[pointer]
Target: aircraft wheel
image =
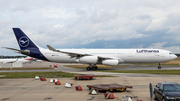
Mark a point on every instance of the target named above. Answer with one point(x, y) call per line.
point(159, 67)
point(96, 67)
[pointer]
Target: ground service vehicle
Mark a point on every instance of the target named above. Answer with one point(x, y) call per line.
point(167, 91)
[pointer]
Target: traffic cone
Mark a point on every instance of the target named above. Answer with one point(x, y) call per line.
point(130, 98)
point(51, 80)
point(37, 78)
point(93, 91)
point(79, 88)
point(105, 94)
point(43, 79)
point(76, 87)
point(58, 82)
point(109, 95)
point(55, 80)
point(68, 85)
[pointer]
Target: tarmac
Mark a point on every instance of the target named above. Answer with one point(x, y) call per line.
point(30, 89)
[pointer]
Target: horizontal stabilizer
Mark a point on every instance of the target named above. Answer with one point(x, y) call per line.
point(25, 52)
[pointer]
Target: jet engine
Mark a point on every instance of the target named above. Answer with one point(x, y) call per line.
point(89, 59)
point(110, 62)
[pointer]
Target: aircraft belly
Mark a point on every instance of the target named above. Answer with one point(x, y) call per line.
point(61, 59)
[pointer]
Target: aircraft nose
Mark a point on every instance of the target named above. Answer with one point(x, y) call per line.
point(174, 56)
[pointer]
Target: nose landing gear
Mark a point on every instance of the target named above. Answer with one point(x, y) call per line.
point(159, 67)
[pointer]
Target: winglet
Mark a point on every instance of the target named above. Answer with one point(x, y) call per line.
point(52, 49)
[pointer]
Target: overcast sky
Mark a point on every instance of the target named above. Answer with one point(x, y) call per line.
point(93, 23)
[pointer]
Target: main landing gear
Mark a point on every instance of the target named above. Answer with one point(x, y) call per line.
point(159, 67)
point(91, 67)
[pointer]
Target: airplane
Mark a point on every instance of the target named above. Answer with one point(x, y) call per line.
point(111, 57)
point(17, 60)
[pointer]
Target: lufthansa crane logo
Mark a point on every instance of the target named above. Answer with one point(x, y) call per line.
point(24, 41)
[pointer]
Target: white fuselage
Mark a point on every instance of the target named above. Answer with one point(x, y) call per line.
point(125, 55)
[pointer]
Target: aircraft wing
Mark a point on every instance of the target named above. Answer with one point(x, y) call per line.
point(77, 54)
point(66, 52)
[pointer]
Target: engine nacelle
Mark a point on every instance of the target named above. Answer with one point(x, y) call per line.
point(89, 59)
point(110, 62)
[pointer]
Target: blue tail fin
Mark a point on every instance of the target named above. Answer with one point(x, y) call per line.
point(23, 40)
point(27, 46)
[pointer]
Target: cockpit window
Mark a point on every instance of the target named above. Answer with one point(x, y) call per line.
point(170, 53)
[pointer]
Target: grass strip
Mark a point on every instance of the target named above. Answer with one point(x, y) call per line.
point(34, 68)
point(167, 72)
point(58, 74)
point(33, 74)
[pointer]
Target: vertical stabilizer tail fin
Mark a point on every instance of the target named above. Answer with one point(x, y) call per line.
point(23, 40)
